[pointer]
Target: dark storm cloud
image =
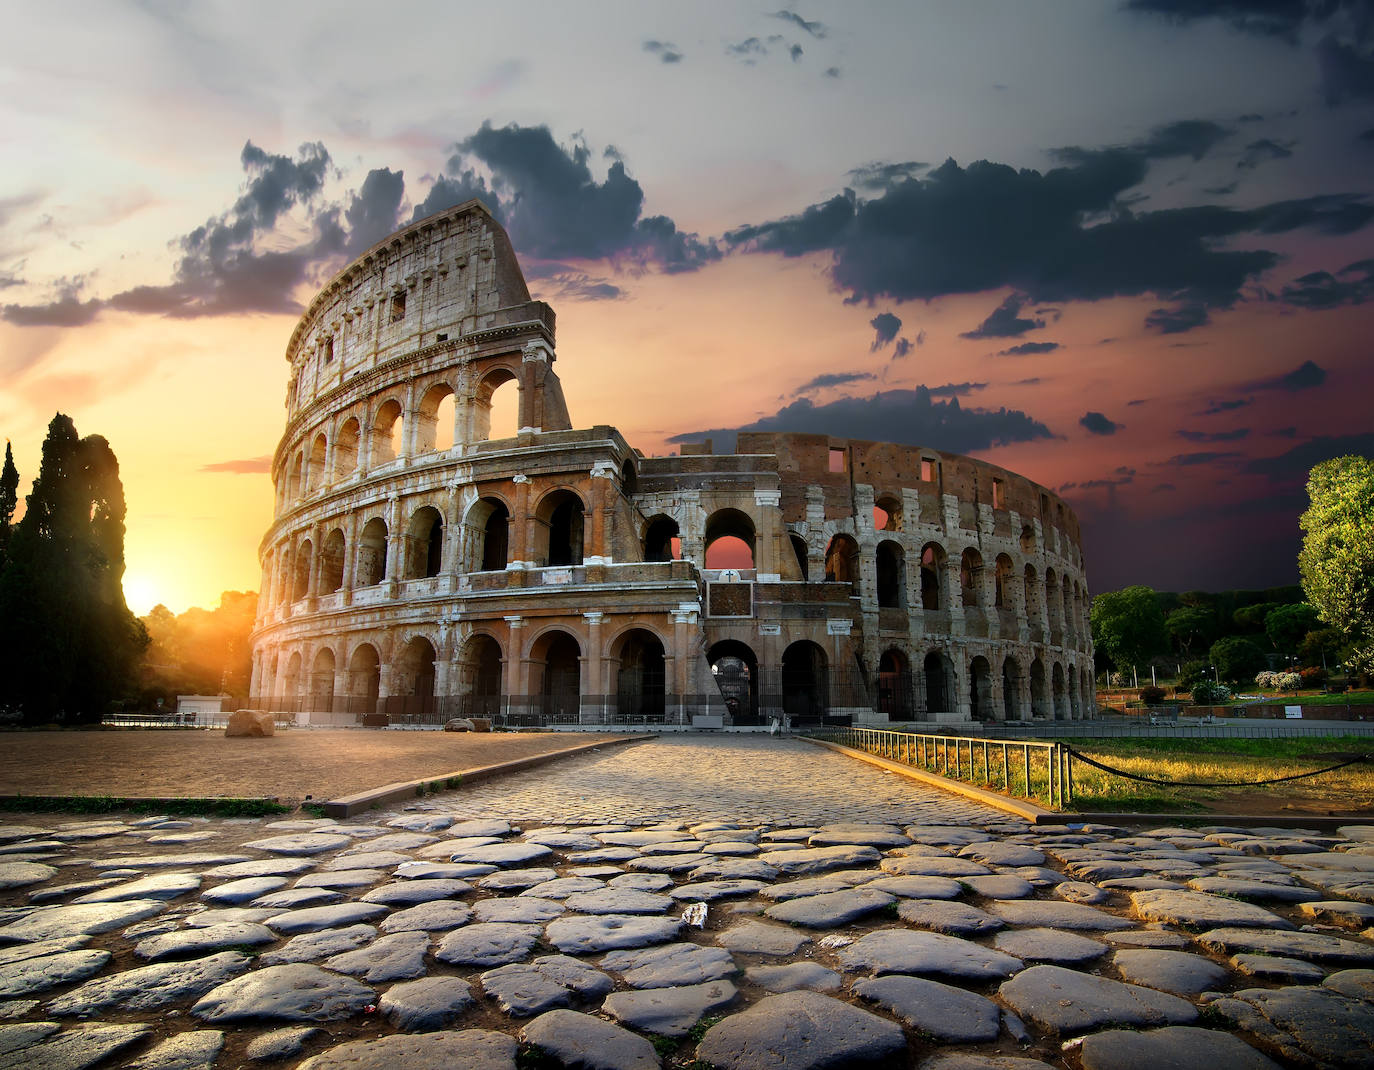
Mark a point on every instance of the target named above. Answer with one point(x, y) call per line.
point(832, 379)
point(815, 29)
point(1005, 321)
point(1187, 137)
point(1257, 152)
point(1182, 317)
point(567, 282)
point(1279, 18)
point(666, 52)
point(1192, 460)
point(903, 346)
point(1347, 67)
point(956, 390)
point(747, 50)
point(1305, 376)
point(795, 51)
point(1097, 424)
point(1352, 285)
point(449, 191)
point(1367, 137)
point(1026, 349)
point(1216, 408)
point(373, 212)
point(1294, 464)
point(244, 466)
point(1214, 436)
point(877, 177)
point(909, 417)
point(68, 310)
point(1120, 478)
point(554, 207)
point(885, 327)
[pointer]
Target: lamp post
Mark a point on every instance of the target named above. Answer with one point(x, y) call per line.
point(1216, 675)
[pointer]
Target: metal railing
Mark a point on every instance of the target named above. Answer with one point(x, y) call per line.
point(1029, 770)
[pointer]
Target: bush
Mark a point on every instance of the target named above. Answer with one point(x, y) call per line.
point(1267, 681)
point(1313, 676)
point(1152, 696)
point(1288, 681)
point(1208, 693)
point(1193, 672)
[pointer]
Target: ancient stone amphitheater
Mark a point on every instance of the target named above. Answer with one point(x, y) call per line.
point(420, 569)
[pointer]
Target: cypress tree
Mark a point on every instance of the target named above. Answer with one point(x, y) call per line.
point(9, 498)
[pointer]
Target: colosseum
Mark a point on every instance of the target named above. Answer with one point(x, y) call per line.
point(419, 569)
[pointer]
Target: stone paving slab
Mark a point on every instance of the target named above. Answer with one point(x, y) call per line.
point(826, 912)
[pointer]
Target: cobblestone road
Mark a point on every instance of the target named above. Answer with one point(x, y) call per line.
point(742, 903)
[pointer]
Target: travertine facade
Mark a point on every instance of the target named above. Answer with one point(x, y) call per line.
point(558, 575)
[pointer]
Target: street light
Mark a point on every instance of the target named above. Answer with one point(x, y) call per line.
point(1215, 674)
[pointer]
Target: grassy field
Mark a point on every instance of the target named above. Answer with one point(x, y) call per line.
point(1233, 761)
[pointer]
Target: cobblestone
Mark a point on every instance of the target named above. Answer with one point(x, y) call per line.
point(603, 856)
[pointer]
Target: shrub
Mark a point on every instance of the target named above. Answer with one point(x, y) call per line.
point(1288, 681)
point(1267, 680)
point(1152, 696)
point(1313, 676)
point(1208, 693)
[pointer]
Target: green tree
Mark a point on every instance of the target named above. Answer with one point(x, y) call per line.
point(1337, 557)
point(1128, 625)
point(1190, 627)
point(1237, 658)
point(1287, 625)
point(68, 643)
point(9, 498)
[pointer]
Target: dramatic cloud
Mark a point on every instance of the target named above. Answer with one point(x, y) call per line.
point(1194, 138)
point(1005, 321)
point(566, 282)
point(1026, 349)
point(1216, 408)
point(1279, 18)
point(1214, 436)
point(1294, 464)
point(885, 326)
point(1097, 424)
point(1119, 478)
point(246, 466)
point(815, 29)
point(956, 390)
point(1180, 318)
point(1257, 152)
point(1192, 460)
point(903, 346)
point(373, 212)
point(910, 417)
point(879, 177)
point(1352, 285)
point(831, 379)
point(68, 310)
point(1304, 377)
point(665, 52)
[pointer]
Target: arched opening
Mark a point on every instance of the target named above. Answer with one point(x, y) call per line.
point(937, 683)
point(372, 553)
point(424, 544)
point(932, 575)
point(364, 679)
point(322, 682)
point(641, 678)
point(887, 513)
point(387, 433)
point(332, 562)
point(318, 470)
point(629, 478)
point(434, 420)
point(729, 540)
point(486, 536)
point(558, 663)
point(1040, 698)
point(735, 668)
point(413, 677)
point(286, 579)
point(293, 480)
point(1053, 603)
point(496, 407)
point(662, 540)
point(1061, 693)
point(980, 689)
point(291, 682)
point(842, 562)
point(1027, 539)
point(1075, 710)
point(971, 578)
point(895, 692)
point(481, 666)
point(1003, 595)
point(300, 582)
point(1011, 690)
point(1070, 619)
point(805, 689)
point(799, 550)
point(346, 449)
point(891, 576)
point(559, 528)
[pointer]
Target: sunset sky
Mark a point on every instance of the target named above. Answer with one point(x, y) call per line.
point(1124, 248)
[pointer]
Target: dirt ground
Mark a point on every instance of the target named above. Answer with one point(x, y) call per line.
point(290, 766)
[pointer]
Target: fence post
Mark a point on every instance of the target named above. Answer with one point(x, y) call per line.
point(1025, 759)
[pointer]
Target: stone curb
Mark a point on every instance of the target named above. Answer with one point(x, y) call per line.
point(348, 805)
point(1020, 807)
point(1286, 821)
point(13, 802)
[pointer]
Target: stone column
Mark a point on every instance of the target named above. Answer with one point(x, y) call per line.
point(767, 559)
point(684, 617)
point(395, 542)
point(593, 705)
point(596, 542)
point(516, 666)
point(520, 541)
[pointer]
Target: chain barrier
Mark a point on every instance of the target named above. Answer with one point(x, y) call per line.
point(1214, 784)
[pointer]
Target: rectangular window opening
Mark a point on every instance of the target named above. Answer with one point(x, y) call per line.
point(836, 459)
point(329, 350)
point(998, 495)
point(398, 306)
point(927, 470)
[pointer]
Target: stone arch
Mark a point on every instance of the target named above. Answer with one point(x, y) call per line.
point(434, 420)
point(842, 562)
point(1053, 602)
point(332, 555)
point(560, 520)
point(1039, 688)
point(295, 474)
point(424, 543)
point(364, 678)
point(735, 669)
point(980, 689)
point(662, 539)
point(805, 682)
point(1011, 689)
point(938, 683)
point(414, 674)
point(484, 400)
point(895, 685)
point(372, 551)
point(887, 512)
point(388, 430)
point(1070, 618)
point(556, 671)
point(641, 675)
point(729, 541)
point(480, 666)
point(291, 679)
point(932, 576)
point(322, 681)
point(1027, 539)
point(486, 535)
point(971, 578)
point(285, 577)
point(891, 575)
point(346, 444)
point(1031, 593)
point(1075, 709)
point(1061, 693)
point(300, 578)
point(1003, 577)
point(318, 468)
point(629, 478)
